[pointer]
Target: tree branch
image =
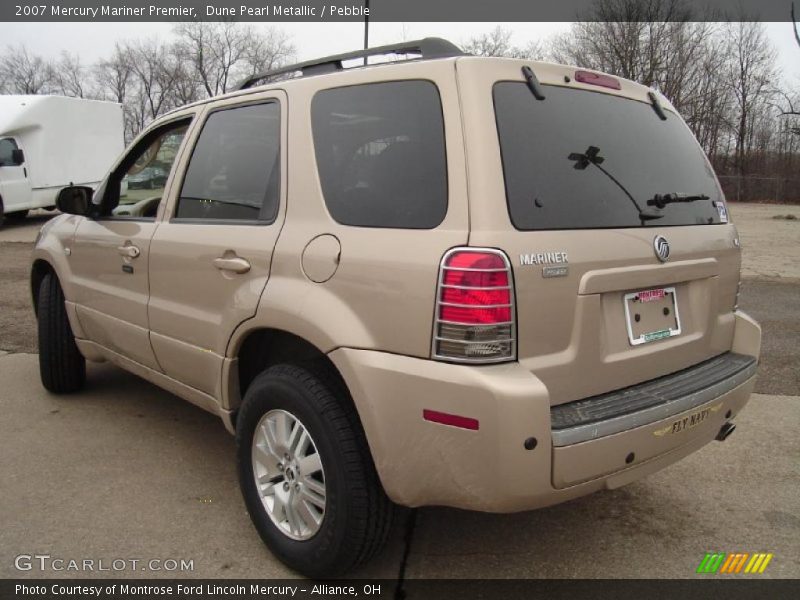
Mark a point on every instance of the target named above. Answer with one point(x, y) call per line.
point(794, 25)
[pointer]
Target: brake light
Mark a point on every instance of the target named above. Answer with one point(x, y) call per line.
point(474, 320)
point(605, 81)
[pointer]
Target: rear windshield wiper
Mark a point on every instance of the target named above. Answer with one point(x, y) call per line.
point(533, 82)
point(661, 200)
point(592, 157)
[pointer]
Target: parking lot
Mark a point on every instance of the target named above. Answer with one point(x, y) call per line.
point(124, 470)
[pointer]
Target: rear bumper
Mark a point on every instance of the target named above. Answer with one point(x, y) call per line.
point(651, 401)
point(490, 469)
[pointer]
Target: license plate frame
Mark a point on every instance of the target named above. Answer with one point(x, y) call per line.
point(661, 297)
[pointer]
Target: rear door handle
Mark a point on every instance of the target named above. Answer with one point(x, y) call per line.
point(129, 251)
point(234, 264)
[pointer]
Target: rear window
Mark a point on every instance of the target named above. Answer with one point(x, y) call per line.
point(542, 143)
point(381, 154)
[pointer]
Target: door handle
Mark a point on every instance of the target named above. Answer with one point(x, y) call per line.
point(129, 251)
point(234, 264)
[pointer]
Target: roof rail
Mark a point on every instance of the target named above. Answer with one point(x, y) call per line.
point(428, 48)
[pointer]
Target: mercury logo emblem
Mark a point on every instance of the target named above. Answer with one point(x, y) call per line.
point(661, 247)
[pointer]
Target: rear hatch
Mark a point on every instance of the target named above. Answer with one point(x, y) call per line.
point(625, 265)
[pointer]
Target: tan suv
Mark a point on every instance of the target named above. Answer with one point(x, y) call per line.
point(484, 283)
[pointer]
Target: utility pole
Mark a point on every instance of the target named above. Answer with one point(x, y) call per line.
point(366, 28)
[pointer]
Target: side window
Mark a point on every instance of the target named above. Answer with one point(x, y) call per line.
point(234, 172)
point(381, 154)
point(7, 146)
point(136, 188)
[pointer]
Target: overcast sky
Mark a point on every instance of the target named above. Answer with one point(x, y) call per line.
point(95, 40)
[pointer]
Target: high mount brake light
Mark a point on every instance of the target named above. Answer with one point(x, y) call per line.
point(605, 81)
point(475, 317)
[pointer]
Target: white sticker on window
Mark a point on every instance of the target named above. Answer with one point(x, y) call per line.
point(723, 212)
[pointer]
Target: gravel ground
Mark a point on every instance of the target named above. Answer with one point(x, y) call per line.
point(770, 245)
point(17, 322)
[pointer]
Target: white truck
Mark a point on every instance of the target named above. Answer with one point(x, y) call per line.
point(50, 142)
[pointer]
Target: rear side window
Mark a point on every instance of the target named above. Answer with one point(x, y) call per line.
point(234, 172)
point(542, 143)
point(381, 154)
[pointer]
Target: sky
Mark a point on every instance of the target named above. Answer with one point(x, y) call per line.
point(96, 40)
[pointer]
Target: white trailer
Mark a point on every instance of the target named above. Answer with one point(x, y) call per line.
point(50, 142)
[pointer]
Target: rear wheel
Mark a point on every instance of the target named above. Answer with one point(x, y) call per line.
point(62, 367)
point(306, 473)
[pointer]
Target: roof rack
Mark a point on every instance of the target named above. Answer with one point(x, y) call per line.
point(428, 48)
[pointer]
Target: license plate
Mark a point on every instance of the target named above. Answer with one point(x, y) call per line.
point(652, 315)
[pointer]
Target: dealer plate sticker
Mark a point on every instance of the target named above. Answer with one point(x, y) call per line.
point(721, 210)
point(651, 315)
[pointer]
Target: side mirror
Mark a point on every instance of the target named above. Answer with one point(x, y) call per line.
point(17, 156)
point(74, 200)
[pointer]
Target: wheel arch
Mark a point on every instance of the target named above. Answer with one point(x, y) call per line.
point(262, 347)
point(39, 270)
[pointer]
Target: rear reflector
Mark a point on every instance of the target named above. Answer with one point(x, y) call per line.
point(474, 319)
point(605, 81)
point(447, 419)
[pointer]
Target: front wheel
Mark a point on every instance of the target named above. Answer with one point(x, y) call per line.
point(62, 367)
point(306, 473)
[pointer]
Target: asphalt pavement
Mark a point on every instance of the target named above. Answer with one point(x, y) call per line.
point(126, 471)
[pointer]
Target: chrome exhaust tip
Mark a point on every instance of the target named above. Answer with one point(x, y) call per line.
point(725, 431)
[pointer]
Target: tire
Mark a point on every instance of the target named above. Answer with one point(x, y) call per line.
point(17, 215)
point(356, 516)
point(62, 367)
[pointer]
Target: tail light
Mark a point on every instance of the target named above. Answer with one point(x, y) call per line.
point(475, 316)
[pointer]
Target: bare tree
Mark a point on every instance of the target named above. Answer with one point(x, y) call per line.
point(635, 39)
point(750, 75)
point(267, 50)
point(221, 54)
point(650, 41)
point(22, 72)
point(113, 75)
point(149, 93)
point(149, 77)
point(186, 88)
point(792, 108)
point(69, 76)
point(497, 42)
